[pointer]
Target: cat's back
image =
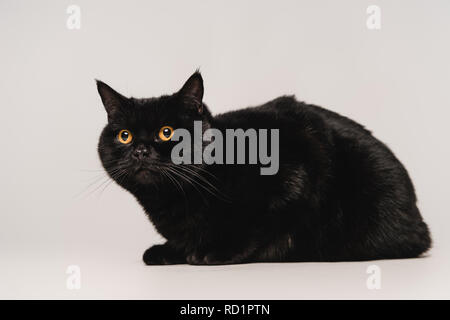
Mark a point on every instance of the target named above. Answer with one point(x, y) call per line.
point(287, 109)
point(266, 115)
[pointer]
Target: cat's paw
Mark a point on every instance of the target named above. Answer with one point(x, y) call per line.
point(161, 254)
point(195, 259)
point(207, 259)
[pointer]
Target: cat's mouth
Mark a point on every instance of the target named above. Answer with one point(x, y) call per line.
point(144, 174)
point(141, 167)
point(142, 170)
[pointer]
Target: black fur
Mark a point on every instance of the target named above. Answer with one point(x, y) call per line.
point(339, 195)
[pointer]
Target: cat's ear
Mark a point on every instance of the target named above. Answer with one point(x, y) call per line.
point(112, 100)
point(193, 88)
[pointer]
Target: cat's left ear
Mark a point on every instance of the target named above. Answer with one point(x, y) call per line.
point(113, 101)
point(193, 89)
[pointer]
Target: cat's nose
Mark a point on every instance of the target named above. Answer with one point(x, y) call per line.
point(141, 152)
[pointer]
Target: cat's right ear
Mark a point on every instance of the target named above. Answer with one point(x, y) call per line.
point(112, 100)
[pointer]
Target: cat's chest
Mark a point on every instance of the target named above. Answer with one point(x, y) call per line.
point(175, 218)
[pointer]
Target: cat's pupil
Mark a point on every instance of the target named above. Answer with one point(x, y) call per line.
point(124, 136)
point(166, 132)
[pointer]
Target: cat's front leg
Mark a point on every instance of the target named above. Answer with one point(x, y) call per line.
point(162, 254)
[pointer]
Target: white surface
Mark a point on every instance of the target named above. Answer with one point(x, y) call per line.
point(394, 80)
point(40, 274)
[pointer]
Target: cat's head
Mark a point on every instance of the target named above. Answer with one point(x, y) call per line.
point(136, 142)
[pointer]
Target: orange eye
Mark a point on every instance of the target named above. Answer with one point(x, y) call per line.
point(165, 133)
point(125, 136)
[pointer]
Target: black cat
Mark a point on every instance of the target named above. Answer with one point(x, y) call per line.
point(339, 194)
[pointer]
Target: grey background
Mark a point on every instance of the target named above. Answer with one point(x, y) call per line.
point(394, 80)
